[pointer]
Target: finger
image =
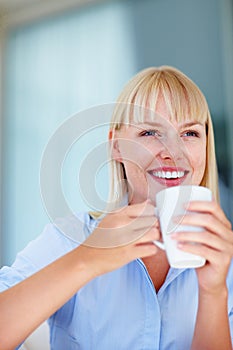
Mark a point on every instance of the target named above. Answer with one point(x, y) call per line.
point(209, 207)
point(144, 223)
point(209, 222)
point(127, 232)
point(143, 230)
point(136, 224)
point(209, 239)
point(151, 235)
point(144, 250)
point(211, 255)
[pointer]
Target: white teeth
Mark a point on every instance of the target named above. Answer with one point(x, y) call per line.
point(168, 174)
point(174, 174)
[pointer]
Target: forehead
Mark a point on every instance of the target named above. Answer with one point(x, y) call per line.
point(174, 107)
point(161, 116)
point(162, 109)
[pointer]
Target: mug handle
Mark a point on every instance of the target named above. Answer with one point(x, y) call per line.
point(159, 244)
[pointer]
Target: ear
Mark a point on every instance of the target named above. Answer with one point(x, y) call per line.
point(115, 151)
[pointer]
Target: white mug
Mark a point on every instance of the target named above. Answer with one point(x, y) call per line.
point(170, 203)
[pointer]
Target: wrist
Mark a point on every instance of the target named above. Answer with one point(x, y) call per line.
point(218, 293)
point(88, 262)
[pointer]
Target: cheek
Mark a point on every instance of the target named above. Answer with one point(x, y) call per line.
point(136, 167)
point(198, 161)
point(136, 155)
point(135, 170)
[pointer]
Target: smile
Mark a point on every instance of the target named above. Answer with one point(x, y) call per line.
point(168, 176)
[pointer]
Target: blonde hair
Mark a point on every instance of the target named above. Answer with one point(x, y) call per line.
point(183, 100)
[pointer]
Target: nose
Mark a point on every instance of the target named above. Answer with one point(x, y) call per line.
point(172, 149)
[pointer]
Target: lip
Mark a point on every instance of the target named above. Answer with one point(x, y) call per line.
point(169, 182)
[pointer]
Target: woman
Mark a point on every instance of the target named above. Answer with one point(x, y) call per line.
point(126, 296)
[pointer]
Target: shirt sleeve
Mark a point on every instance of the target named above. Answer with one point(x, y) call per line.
point(230, 298)
point(55, 240)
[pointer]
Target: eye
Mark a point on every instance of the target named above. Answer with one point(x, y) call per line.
point(191, 133)
point(149, 133)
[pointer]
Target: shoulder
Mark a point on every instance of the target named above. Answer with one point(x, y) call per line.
point(58, 238)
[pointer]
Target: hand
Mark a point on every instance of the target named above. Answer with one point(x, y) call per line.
point(122, 236)
point(215, 243)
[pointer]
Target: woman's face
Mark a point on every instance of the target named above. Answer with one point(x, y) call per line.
point(160, 154)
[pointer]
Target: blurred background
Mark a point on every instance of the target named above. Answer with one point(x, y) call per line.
point(58, 58)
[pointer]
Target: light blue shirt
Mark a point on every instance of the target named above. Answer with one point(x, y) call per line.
point(119, 310)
